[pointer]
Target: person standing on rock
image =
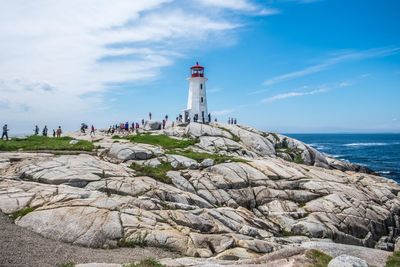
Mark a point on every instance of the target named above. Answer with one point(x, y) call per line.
point(166, 117)
point(44, 132)
point(235, 121)
point(209, 117)
point(163, 124)
point(54, 133)
point(36, 130)
point(5, 132)
point(150, 115)
point(59, 131)
point(92, 131)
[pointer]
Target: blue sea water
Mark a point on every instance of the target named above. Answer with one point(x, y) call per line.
point(379, 152)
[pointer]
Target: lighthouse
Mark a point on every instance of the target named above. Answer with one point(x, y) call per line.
point(197, 99)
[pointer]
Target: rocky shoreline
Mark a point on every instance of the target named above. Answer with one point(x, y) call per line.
point(259, 194)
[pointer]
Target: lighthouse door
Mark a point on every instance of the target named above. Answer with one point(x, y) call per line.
point(186, 117)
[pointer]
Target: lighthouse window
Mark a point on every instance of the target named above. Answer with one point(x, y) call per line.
point(201, 100)
point(201, 86)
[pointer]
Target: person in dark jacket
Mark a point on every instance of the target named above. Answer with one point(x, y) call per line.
point(5, 132)
point(45, 130)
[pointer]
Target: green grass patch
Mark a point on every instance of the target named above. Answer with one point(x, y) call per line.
point(318, 258)
point(275, 136)
point(394, 260)
point(137, 242)
point(199, 156)
point(298, 159)
point(66, 264)
point(160, 140)
point(44, 143)
point(145, 263)
point(159, 173)
point(21, 213)
point(288, 233)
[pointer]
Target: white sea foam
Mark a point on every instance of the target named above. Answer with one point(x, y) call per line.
point(318, 146)
point(372, 144)
point(367, 144)
point(336, 156)
point(384, 172)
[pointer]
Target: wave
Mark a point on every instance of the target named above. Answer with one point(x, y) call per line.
point(336, 156)
point(370, 144)
point(318, 146)
point(384, 172)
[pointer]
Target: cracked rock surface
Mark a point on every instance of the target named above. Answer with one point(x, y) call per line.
point(262, 203)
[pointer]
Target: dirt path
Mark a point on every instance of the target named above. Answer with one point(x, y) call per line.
point(21, 247)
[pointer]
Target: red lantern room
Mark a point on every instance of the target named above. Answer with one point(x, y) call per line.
point(197, 70)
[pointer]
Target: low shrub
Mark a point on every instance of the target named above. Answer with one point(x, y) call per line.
point(159, 173)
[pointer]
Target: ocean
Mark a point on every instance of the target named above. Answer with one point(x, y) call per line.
point(379, 152)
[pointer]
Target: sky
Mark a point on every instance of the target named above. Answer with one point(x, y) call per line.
point(291, 66)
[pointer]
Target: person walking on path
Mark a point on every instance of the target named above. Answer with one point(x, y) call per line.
point(59, 131)
point(36, 130)
point(92, 130)
point(45, 130)
point(5, 132)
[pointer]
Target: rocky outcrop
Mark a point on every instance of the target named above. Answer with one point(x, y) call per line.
point(128, 151)
point(347, 261)
point(253, 204)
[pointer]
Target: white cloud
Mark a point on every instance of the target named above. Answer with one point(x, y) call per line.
point(294, 94)
point(321, 89)
point(337, 59)
point(57, 58)
point(239, 5)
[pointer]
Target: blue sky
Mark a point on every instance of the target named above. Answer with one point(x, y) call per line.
point(283, 65)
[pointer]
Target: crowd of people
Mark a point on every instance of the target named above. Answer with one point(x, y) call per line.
point(232, 121)
point(118, 128)
point(56, 132)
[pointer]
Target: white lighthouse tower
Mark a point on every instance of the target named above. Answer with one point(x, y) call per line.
point(197, 99)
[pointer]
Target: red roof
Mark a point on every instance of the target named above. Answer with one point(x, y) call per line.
point(197, 66)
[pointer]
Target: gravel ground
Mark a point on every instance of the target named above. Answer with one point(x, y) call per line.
point(21, 247)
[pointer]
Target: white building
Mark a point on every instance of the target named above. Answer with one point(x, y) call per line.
point(197, 100)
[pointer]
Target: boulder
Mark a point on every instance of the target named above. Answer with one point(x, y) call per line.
point(207, 163)
point(347, 261)
point(74, 170)
point(152, 125)
point(198, 129)
point(178, 161)
point(129, 151)
point(85, 226)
